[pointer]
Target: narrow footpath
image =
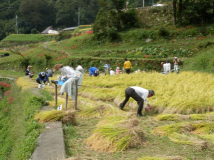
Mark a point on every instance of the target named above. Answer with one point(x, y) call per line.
point(51, 144)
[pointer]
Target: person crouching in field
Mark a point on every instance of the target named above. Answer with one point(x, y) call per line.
point(28, 72)
point(139, 95)
point(42, 78)
point(117, 70)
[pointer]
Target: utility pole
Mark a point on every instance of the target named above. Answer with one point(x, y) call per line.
point(17, 24)
point(79, 16)
point(143, 3)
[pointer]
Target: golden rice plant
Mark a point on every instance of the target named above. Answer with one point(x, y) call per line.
point(55, 115)
point(203, 128)
point(188, 133)
point(175, 117)
point(171, 117)
point(188, 139)
point(26, 83)
point(183, 93)
point(116, 136)
point(184, 127)
point(163, 158)
point(97, 109)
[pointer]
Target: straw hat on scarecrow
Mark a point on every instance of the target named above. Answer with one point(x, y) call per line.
point(57, 66)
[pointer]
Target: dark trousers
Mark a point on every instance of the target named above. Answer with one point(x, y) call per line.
point(130, 92)
point(127, 71)
point(38, 80)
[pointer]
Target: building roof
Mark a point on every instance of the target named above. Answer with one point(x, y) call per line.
point(46, 30)
point(69, 29)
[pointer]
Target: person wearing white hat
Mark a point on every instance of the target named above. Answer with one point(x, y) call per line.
point(176, 61)
point(42, 78)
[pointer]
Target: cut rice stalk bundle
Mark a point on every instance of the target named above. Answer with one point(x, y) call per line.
point(98, 110)
point(163, 158)
point(52, 116)
point(171, 117)
point(209, 137)
point(175, 117)
point(119, 119)
point(116, 137)
point(173, 128)
point(189, 140)
point(203, 128)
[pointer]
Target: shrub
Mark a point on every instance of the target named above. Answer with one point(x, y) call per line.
point(63, 35)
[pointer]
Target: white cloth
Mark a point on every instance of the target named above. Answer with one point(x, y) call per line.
point(141, 92)
point(70, 85)
point(167, 68)
point(68, 72)
point(80, 69)
point(112, 72)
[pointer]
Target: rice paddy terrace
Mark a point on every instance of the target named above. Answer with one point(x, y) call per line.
point(179, 127)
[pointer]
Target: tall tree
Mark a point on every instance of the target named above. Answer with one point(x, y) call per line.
point(37, 12)
point(174, 11)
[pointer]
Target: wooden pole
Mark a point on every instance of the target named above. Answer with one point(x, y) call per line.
point(66, 101)
point(56, 95)
point(75, 107)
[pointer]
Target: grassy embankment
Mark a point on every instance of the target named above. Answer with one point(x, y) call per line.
point(19, 131)
point(183, 42)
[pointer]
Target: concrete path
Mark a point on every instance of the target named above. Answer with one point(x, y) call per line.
point(51, 144)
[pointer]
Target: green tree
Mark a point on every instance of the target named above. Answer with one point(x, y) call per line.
point(38, 12)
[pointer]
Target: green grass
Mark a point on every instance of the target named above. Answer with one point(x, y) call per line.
point(11, 74)
point(19, 131)
point(28, 37)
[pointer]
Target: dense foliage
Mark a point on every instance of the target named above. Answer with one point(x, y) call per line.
point(19, 131)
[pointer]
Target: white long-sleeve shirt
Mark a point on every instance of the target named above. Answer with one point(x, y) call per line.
point(68, 72)
point(141, 92)
point(167, 67)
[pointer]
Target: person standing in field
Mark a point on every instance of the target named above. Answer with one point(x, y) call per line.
point(127, 66)
point(176, 61)
point(167, 67)
point(107, 67)
point(139, 95)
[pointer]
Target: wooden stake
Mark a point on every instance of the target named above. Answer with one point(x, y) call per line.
point(75, 107)
point(66, 101)
point(56, 95)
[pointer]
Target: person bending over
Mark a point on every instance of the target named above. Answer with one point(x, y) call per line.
point(42, 78)
point(139, 95)
point(94, 71)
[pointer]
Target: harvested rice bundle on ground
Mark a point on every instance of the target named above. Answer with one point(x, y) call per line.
point(188, 139)
point(175, 117)
point(203, 128)
point(52, 116)
point(119, 119)
point(163, 158)
point(97, 110)
point(116, 137)
point(171, 117)
point(209, 137)
point(173, 128)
